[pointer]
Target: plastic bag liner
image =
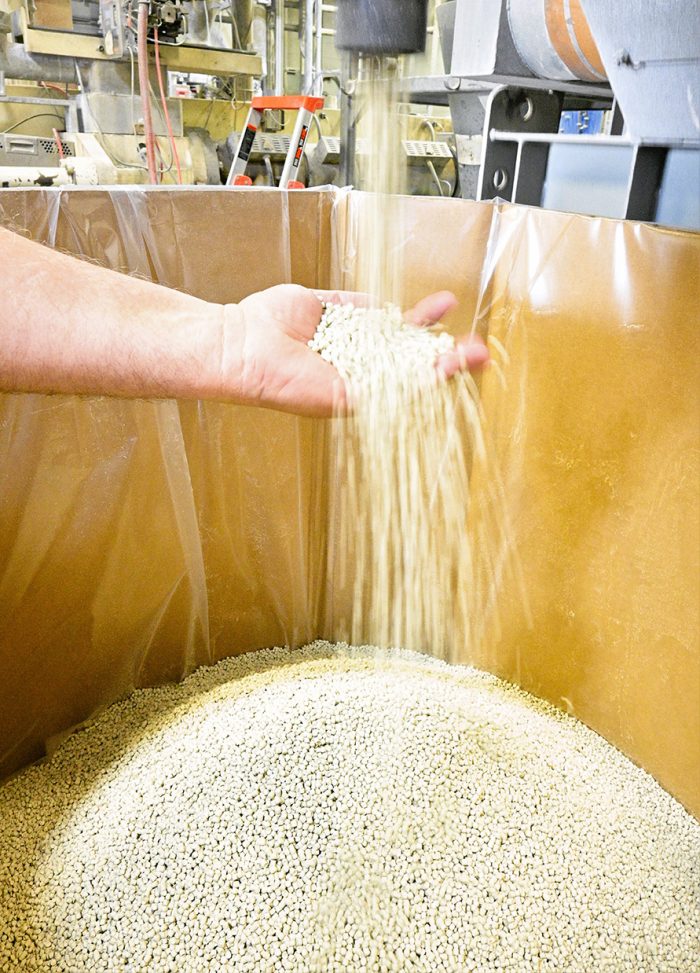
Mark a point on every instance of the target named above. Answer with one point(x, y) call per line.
point(142, 539)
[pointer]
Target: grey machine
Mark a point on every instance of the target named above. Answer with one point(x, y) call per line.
point(514, 68)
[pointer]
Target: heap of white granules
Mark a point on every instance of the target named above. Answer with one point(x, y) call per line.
point(350, 810)
point(353, 338)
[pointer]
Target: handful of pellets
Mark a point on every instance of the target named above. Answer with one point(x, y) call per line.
point(362, 341)
point(343, 810)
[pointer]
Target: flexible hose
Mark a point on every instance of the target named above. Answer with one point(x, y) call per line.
point(166, 113)
point(142, 59)
point(59, 144)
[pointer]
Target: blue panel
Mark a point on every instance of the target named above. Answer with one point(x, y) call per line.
point(587, 179)
point(582, 122)
point(679, 198)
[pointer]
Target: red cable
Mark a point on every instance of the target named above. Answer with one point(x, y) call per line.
point(166, 113)
point(161, 161)
point(142, 58)
point(56, 87)
point(59, 146)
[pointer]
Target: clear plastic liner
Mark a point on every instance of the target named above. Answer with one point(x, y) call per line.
point(133, 546)
point(142, 539)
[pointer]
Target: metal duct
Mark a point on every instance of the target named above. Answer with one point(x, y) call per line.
point(109, 77)
point(17, 64)
point(242, 11)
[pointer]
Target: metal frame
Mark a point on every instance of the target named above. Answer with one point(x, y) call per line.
point(516, 152)
point(646, 176)
point(514, 168)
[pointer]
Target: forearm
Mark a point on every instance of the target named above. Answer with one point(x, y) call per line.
point(69, 326)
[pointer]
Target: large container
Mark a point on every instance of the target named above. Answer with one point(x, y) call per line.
point(141, 539)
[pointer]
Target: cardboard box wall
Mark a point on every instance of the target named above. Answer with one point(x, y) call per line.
point(139, 540)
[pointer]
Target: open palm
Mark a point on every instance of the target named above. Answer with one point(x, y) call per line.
point(280, 371)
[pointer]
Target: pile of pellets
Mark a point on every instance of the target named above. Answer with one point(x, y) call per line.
point(343, 809)
point(362, 342)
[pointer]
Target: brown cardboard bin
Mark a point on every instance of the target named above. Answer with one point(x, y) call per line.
point(142, 539)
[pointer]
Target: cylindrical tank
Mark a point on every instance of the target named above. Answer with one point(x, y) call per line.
point(554, 40)
point(381, 26)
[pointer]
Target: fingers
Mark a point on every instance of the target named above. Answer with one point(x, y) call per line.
point(469, 353)
point(432, 308)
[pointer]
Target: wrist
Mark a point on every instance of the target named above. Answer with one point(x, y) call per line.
point(223, 375)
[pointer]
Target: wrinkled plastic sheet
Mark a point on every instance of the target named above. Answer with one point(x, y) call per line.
point(142, 539)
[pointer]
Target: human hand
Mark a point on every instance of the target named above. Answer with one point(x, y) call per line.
point(279, 371)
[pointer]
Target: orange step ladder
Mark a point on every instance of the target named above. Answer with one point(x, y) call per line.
point(305, 106)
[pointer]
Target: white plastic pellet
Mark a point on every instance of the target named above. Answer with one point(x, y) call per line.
point(340, 809)
point(356, 340)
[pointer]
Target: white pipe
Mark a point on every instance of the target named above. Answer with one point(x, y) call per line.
point(14, 176)
point(318, 60)
point(280, 55)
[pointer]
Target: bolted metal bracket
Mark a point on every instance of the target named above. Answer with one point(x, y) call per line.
point(516, 171)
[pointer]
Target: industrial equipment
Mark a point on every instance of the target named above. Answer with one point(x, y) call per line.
point(112, 59)
point(159, 91)
point(514, 68)
point(381, 26)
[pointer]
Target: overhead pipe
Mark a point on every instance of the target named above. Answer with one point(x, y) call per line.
point(271, 58)
point(16, 63)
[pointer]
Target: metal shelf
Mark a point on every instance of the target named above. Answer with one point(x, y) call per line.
point(436, 89)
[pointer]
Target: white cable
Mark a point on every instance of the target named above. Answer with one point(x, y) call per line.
point(206, 18)
point(132, 87)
